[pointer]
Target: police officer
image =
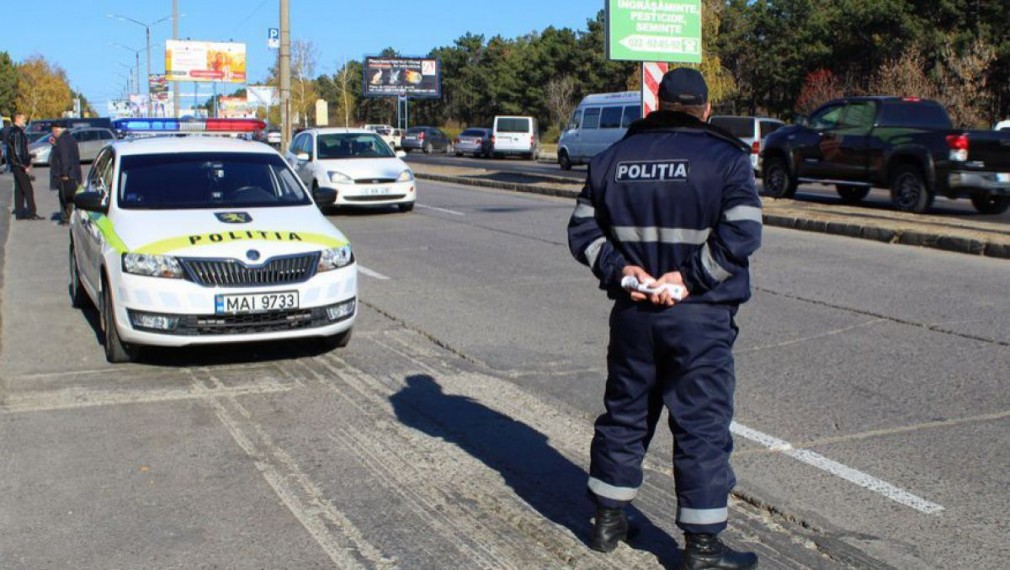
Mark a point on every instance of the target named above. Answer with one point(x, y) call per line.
point(672, 203)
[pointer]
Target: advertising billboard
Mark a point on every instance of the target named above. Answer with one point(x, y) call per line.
point(415, 77)
point(205, 61)
point(158, 86)
point(658, 30)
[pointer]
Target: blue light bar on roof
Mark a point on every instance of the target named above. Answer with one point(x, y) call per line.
point(156, 125)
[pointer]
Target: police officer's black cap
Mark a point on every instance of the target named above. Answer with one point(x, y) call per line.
point(685, 86)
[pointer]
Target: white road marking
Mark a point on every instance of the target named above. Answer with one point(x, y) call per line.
point(833, 467)
point(453, 212)
point(373, 274)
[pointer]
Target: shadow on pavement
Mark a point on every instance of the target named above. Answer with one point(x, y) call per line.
point(541, 476)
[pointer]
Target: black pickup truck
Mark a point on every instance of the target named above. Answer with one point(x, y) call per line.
point(906, 144)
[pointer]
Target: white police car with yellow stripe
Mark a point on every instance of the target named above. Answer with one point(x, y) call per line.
point(197, 240)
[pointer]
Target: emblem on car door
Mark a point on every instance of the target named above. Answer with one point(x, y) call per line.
point(234, 217)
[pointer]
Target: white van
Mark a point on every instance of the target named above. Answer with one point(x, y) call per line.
point(599, 121)
point(515, 135)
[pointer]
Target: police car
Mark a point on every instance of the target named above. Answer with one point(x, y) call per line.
point(203, 240)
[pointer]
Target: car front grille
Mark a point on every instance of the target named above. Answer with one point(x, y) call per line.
point(379, 198)
point(234, 273)
point(374, 180)
point(279, 321)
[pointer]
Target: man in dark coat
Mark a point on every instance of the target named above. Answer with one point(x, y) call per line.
point(64, 168)
point(21, 165)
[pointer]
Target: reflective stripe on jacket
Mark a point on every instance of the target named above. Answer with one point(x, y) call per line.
point(675, 194)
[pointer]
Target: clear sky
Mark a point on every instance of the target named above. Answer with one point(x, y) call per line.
point(80, 37)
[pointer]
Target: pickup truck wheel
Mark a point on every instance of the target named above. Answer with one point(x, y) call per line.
point(909, 192)
point(852, 194)
point(779, 183)
point(989, 204)
point(564, 161)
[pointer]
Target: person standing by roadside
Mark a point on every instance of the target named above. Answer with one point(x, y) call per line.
point(672, 203)
point(21, 165)
point(65, 168)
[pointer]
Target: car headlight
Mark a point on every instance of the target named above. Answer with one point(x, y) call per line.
point(152, 265)
point(405, 176)
point(335, 258)
point(339, 178)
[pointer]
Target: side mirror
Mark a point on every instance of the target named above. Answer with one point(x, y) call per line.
point(324, 196)
point(91, 202)
point(303, 157)
point(400, 154)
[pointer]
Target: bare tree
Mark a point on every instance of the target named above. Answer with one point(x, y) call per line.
point(344, 87)
point(905, 76)
point(560, 95)
point(963, 83)
point(303, 68)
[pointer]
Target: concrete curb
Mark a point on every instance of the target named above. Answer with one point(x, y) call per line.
point(840, 226)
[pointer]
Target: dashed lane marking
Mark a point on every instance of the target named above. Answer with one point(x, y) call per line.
point(444, 210)
point(835, 468)
point(373, 274)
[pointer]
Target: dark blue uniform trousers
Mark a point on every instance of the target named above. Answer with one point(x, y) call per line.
point(682, 357)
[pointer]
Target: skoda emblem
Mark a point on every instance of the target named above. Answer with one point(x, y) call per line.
point(252, 254)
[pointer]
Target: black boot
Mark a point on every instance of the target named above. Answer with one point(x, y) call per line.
point(707, 552)
point(611, 526)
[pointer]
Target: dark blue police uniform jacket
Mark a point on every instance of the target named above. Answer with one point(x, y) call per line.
point(675, 194)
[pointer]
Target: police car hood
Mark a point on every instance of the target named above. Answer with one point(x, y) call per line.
point(227, 232)
point(366, 168)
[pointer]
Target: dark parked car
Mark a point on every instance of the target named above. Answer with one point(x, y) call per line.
point(473, 141)
point(426, 139)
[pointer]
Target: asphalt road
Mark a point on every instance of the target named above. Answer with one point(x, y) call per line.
point(820, 193)
point(454, 430)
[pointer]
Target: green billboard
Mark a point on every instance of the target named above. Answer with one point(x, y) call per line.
point(654, 30)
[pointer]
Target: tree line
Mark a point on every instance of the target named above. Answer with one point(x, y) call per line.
point(37, 88)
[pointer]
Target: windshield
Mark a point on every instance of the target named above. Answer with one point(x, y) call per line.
point(742, 127)
point(513, 125)
point(352, 145)
point(472, 133)
point(207, 180)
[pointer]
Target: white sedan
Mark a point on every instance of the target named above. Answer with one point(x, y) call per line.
point(199, 240)
point(357, 164)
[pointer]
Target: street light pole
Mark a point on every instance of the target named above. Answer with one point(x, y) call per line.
point(285, 75)
point(147, 29)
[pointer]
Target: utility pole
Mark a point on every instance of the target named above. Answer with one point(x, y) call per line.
point(175, 36)
point(285, 76)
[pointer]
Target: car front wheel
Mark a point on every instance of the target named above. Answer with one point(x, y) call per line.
point(564, 161)
point(778, 181)
point(77, 295)
point(116, 351)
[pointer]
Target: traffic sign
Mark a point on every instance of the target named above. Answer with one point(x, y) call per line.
point(273, 38)
point(654, 30)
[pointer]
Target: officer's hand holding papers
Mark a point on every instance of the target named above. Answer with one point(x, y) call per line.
point(668, 290)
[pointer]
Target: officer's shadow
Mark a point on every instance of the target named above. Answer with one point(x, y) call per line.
point(538, 474)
